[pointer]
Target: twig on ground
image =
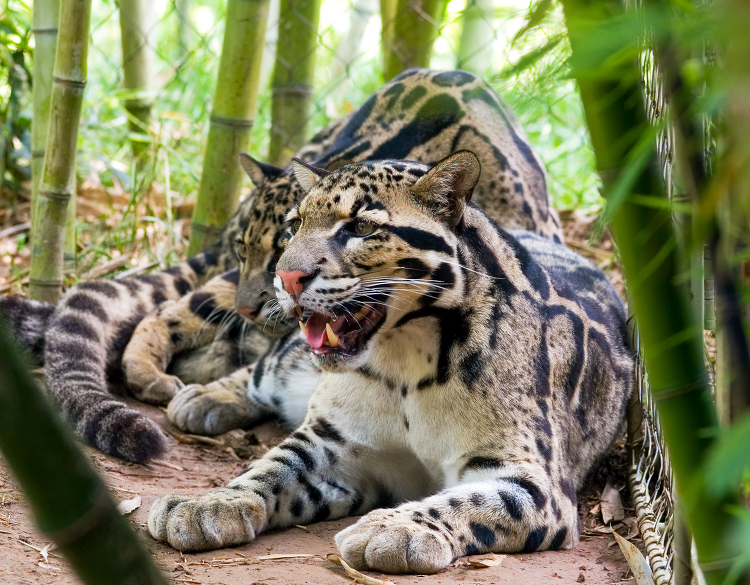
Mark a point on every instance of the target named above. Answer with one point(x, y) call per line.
point(16, 229)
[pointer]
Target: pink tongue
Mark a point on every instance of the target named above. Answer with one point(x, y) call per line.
point(316, 330)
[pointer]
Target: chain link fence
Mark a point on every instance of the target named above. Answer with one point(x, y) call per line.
point(183, 40)
point(666, 540)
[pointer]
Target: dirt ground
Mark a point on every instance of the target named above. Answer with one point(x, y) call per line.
point(196, 467)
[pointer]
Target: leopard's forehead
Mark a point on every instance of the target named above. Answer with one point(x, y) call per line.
point(354, 187)
point(270, 204)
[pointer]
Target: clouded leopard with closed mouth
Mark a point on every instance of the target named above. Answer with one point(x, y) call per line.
point(421, 115)
point(471, 376)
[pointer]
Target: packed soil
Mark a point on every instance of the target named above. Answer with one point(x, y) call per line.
point(195, 465)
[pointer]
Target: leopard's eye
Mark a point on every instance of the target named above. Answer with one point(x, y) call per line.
point(363, 226)
point(240, 249)
point(295, 226)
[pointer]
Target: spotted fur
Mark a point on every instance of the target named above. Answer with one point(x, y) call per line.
point(81, 341)
point(421, 115)
point(475, 377)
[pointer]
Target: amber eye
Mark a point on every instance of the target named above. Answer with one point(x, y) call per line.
point(295, 225)
point(363, 226)
point(241, 250)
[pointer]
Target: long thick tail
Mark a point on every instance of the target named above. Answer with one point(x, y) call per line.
point(27, 322)
point(84, 345)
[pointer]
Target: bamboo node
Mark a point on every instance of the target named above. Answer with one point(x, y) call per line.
point(232, 122)
point(37, 153)
point(44, 30)
point(299, 89)
point(51, 283)
point(69, 81)
point(85, 523)
point(659, 395)
point(56, 195)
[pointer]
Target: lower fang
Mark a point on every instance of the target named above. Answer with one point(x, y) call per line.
point(304, 329)
point(333, 339)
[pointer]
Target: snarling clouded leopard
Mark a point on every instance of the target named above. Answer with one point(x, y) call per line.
point(422, 115)
point(471, 376)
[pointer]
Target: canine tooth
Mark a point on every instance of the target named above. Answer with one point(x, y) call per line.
point(303, 327)
point(333, 339)
point(298, 310)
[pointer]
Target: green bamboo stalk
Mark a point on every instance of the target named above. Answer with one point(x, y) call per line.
point(231, 119)
point(137, 26)
point(293, 78)
point(671, 339)
point(416, 26)
point(477, 36)
point(69, 500)
point(182, 9)
point(58, 183)
point(44, 15)
point(387, 33)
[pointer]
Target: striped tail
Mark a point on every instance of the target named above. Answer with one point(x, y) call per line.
point(84, 345)
point(27, 322)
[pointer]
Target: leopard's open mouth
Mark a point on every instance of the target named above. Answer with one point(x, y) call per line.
point(346, 334)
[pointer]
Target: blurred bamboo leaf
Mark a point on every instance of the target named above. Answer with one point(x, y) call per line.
point(729, 459)
point(538, 14)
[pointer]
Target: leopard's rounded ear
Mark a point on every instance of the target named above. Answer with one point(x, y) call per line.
point(306, 174)
point(447, 187)
point(258, 171)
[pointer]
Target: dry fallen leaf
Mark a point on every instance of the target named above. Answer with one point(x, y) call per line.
point(127, 506)
point(289, 556)
point(484, 561)
point(611, 503)
point(638, 565)
point(356, 575)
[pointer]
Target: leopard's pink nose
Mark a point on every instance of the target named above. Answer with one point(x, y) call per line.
point(293, 281)
point(246, 312)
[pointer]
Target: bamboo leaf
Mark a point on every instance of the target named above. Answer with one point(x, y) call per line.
point(534, 56)
point(638, 565)
point(536, 17)
point(729, 459)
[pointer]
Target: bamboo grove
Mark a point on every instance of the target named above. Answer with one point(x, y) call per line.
point(703, 54)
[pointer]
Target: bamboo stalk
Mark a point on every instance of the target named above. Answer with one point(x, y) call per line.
point(477, 36)
point(231, 119)
point(671, 339)
point(137, 26)
point(416, 25)
point(293, 77)
point(69, 500)
point(387, 33)
point(58, 183)
point(45, 15)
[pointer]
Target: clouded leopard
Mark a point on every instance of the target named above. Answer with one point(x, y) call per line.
point(471, 376)
point(422, 115)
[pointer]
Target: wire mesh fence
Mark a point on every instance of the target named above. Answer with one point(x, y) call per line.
point(666, 540)
point(183, 39)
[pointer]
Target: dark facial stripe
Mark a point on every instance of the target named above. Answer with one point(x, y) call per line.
point(421, 239)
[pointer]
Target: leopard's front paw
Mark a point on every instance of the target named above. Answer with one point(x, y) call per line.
point(207, 410)
point(156, 388)
point(215, 520)
point(390, 541)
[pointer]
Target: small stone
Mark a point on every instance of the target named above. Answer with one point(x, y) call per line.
point(581, 578)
